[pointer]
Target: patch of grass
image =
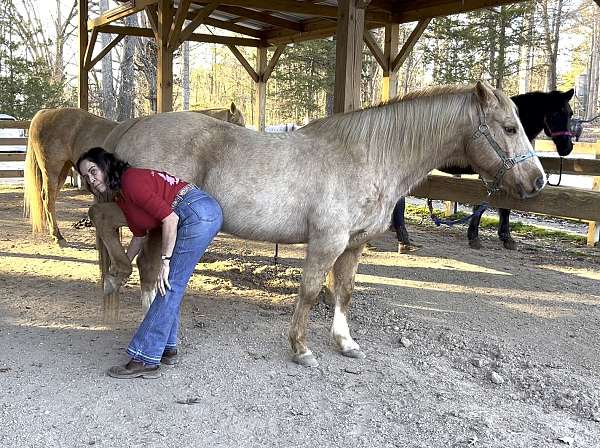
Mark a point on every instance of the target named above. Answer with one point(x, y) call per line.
point(418, 215)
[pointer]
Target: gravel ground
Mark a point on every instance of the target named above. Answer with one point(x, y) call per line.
point(489, 348)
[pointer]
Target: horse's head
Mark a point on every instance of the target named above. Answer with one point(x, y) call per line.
point(234, 115)
point(557, 121)
point(498, 149)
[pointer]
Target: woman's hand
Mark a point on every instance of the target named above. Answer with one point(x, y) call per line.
point(162, 282)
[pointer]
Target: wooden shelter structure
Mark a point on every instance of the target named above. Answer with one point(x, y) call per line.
point(264, 24)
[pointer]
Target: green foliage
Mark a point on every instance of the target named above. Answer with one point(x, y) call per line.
point(302, 80)
point(25, 86)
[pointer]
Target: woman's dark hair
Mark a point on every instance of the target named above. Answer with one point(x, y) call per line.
point(112, 167)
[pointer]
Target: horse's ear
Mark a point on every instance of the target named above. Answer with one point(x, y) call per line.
point(485, 94)
point(569, 94)
point(232, 107)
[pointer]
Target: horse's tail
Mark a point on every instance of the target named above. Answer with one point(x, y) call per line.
point(32, 201)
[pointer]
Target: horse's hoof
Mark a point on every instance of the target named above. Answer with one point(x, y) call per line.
point(305, 360)
point(475, 244)
point(111, 285)
point(407, 248)
point(509, 244)
point(61, 242)
point(354, 353)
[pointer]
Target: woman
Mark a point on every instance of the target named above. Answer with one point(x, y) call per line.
point(189, 219)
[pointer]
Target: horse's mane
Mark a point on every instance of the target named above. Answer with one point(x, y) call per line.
point(417, 122)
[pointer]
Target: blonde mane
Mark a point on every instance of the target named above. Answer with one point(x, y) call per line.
point(405, 127)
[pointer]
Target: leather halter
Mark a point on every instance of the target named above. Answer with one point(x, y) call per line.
point(508, 163)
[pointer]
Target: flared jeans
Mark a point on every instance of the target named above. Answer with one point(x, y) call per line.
point(200, 219)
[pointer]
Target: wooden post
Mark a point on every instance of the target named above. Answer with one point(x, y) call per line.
point(83, 43)
point(261, 89)
point(348, 56)
point(594, 226)
point(389, 89)
point(165, 57)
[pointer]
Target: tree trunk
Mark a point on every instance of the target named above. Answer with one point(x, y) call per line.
point(127, 89)
point(185, 78)
point(108, 92)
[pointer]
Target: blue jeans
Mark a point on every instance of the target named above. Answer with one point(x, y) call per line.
point(200, 219)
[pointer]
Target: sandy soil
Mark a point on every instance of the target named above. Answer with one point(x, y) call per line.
point(439, 326)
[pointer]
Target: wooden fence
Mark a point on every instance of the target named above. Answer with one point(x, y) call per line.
point(566, 202)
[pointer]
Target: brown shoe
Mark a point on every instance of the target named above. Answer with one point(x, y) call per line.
point(169, 357)
point(134, 369)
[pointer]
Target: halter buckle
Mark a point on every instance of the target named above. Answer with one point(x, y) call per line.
point(509, 163)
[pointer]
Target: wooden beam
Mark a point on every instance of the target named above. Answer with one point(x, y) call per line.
point(375, 49)
point(278, 51)
point(233, 27)
point(348, 56)
point(263, 17)
point(240, 57)
point(584, 167)
point(83, 87)
point(90, 48)
point(5, 174)
point(196, 37)
point(120, 12)
point(182, 12)
point(405, 12)
point(261, 89)
point(198, 18)
point(409, 44)
point(389, 88)
point(118, 38)
point(152, 14)
point(12, 156)
point(10, 124)
point(13, 141)
point(555, 201)
point(165, 57)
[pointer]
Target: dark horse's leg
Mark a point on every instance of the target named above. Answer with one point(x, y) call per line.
point(504, 229)
point(404, 244)
point(473, 232)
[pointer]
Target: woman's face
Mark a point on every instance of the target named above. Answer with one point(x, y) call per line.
point(94, 175)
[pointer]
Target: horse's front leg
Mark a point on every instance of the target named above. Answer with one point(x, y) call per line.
point(148, 262)
point(473, 231)
point(399, 225)
point(504, 229)
point(115, 266)
point(344, 271)
point(321, 253)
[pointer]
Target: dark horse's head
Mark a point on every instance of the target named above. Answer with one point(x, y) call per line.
point(548, 111)
point(557, 121)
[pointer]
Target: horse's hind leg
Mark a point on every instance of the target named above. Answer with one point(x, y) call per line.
point(51, 186)
point(344, 271)
point(473, 232)
point(148, 262)
point(504, 229)
point(320, 255)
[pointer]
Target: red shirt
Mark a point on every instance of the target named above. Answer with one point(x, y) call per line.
point(146, 198)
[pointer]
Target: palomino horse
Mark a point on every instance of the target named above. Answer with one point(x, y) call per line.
point(333, 183)
point(57, 137)
point(547, 111)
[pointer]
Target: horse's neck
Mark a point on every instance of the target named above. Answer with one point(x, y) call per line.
point(531, 115)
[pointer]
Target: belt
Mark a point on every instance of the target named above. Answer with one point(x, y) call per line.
point(180, 195)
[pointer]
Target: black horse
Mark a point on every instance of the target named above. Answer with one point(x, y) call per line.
point(537, 110)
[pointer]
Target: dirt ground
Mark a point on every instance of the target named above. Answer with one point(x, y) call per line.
point(465, 348)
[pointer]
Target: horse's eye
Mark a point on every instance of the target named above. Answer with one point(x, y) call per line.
point(510, 129)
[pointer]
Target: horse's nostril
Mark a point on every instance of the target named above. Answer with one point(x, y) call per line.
point(539, 183)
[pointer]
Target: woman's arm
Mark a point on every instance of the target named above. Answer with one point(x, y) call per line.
point(169, 236)
point(135, 246)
